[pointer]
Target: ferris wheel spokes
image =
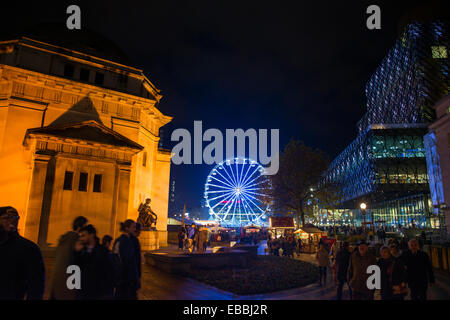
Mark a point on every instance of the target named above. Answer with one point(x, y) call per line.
point(255, 204)
point(234, 203)
point(232, 179)
point(231, 192)
point(230, 185)
point(249, 177)
point(221, 196)
point(228, 197)
point(215, 185)
point(224, 178)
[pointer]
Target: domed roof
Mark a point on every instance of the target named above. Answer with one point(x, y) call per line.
point(84, 41)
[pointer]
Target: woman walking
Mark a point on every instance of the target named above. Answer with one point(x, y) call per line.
point(125, 257)
point(323, 259)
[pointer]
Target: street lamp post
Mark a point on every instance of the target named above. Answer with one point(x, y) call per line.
point(363, 207)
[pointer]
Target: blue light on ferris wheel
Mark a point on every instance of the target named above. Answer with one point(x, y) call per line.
point(233, 192)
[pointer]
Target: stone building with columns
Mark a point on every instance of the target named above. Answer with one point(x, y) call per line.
point(79, 134)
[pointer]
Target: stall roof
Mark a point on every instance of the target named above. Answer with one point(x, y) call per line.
point(309, 229)
point(252, 226)
point(282, 222)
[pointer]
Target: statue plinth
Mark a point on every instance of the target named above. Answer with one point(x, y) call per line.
point(149, 240)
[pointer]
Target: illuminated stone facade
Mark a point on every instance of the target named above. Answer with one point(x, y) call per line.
point(439, 159)
point(78, 136)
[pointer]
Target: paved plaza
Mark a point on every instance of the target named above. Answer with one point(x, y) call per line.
point(158, 285)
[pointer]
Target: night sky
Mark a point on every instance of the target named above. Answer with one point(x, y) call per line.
point(298, 66)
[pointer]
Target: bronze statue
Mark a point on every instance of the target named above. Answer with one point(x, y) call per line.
point(147, 218)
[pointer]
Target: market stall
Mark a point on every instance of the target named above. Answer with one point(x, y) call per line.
point(281, 226)
point(310, 236)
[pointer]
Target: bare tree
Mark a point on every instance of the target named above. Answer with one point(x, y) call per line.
point(329, 196)
point(300, 170)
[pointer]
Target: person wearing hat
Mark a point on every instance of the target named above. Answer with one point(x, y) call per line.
point(360, 260)
point(22, 270)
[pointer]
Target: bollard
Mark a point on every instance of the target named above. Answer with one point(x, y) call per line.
point(435, 257)
point(444, 252)
point(448, 258)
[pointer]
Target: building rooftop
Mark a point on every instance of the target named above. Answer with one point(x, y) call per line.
point(84, 41)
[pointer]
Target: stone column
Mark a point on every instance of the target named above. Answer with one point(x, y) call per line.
point(47, 202)
point(122, 188)
point(34, 209)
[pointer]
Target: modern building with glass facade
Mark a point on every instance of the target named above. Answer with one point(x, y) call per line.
point(385, 166)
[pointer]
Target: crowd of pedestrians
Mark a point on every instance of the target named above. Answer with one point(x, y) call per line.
point(112, 269)
point(283, 246)
point(196, 239)
point(108, 270)
point(193, 239)
point(403, 271)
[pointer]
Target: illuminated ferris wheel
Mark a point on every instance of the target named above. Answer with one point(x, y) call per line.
point(233, 193)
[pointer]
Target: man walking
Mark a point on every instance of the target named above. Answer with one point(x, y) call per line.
point(360, 260)
point(125, 255)
point(97, 269)
point(22, 271)
point(419, 271)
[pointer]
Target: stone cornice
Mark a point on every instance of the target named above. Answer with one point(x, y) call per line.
point(71, 86)
point(74, 148)
point(27, 77)
point(164, 155)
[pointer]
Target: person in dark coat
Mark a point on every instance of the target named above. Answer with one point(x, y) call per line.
point(360, 260)
point(137, 248)
point(96, 265)
point(181, 236)
point(290, 247)
point(418, 270)
point(299, 246)
point(341, 264)
point(125, 256)
point(65, 255)
point(393, 276)
point(22, 271)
